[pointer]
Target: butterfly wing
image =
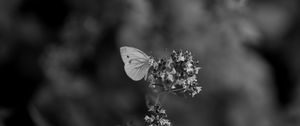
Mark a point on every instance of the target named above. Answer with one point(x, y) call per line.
point(129, 53)
point(136, 62)
point(137, 71)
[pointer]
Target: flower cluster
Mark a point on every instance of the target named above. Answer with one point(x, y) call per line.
point(176, 74)
point(157, 117)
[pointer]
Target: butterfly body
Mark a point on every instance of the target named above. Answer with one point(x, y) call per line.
point(137, 63)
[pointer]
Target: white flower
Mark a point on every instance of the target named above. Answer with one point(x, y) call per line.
point(169, 62)
point(162, 75)
point(148, 119)
point(162, 111)
point(189, 67)
point(173, 71)
point(164, 122)
point(190, 80)
point(198, 89)
point(180, 57)
point(197, 70)
point(170, 77)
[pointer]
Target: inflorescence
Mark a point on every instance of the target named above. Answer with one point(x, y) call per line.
point(157, 117)
point(176, 74)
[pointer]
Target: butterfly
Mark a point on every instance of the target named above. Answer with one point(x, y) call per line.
point(137, 63)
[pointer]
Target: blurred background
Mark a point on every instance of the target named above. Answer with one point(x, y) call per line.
point(60, 63)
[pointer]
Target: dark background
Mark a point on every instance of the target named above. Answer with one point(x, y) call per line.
point(60, 63)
